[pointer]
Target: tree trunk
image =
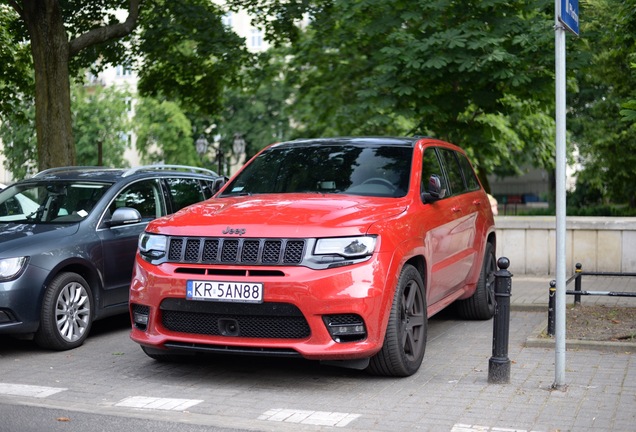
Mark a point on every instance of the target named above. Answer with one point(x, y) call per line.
point(50, 50)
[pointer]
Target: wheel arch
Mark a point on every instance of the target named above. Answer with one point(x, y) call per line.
point(492, 238)
point(419, 262)
point(83, 268)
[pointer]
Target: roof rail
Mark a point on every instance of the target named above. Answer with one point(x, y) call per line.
point(69, 169)
point(160, 167)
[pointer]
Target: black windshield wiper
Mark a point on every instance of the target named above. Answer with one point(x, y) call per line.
point(236, 194)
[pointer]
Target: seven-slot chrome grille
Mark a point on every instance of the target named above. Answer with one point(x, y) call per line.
point(241, 251)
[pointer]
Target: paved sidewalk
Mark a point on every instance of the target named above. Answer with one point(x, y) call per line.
point(600, 377)
point(450, 393)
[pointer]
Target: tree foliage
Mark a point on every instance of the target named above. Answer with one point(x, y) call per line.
point(188, 55)
point(16, 66)
point(100, 125)
point(17, 133)
point(606, 141)
point(258, 111)
point(164, 133)
point(100, 119)
point(477, 73)
point(61, 35)
point(179, 49)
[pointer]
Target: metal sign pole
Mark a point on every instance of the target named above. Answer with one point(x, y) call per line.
point(566, 11)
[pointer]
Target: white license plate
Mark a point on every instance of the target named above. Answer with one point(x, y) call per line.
point(224, 291)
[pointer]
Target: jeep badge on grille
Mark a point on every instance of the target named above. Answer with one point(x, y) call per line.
point(238, 231)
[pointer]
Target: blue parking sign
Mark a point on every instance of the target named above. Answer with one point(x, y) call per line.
point(569, 15)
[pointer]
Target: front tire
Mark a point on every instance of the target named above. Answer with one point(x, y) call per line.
point(67, 313)
point(405, 340)
point(481, 306)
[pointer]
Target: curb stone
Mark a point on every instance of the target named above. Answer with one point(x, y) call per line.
point(541, 340)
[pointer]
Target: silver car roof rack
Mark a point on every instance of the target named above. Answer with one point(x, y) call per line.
point(160, 167)
point(129, 171)
point(71, 169)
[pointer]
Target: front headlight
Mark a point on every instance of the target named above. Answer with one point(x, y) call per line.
point(11, 268)
point(152, 246)
point(349, 247)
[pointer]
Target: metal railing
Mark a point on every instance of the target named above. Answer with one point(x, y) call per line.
point(577, 292)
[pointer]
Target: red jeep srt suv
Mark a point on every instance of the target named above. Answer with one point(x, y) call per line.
point(332, 249)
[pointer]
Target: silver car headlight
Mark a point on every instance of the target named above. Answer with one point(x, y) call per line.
point(152, 246)
point(11, 268)
point(349, 247)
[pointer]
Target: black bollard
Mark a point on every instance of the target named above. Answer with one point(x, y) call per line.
point(499, 363)
point(551, 311)
point(577, 283)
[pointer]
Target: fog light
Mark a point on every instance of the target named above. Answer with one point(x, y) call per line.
point(5, 317)
point(140, 316)
point(345, 328)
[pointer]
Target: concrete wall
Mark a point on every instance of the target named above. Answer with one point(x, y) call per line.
point(603, 244)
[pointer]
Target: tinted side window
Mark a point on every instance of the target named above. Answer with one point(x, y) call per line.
point(145, 196)
point(469, 174)
point(454, 172)
point(184, 192)
point(11, 207)
point(430, 167)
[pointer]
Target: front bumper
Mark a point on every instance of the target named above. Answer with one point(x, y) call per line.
point(20, 301)
point(332, 314)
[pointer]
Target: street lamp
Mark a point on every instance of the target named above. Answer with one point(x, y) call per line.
point(201, 146)
point(238, 146)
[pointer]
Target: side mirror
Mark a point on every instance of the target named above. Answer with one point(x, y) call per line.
point(218, 184)
point(435, 191)
point(125, 216)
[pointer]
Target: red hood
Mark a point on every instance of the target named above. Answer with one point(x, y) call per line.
point(286, 215)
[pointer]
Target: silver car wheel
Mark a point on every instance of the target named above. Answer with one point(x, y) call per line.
point(72, 312)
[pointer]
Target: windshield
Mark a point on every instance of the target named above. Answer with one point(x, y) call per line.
point(357, 170)
point(49, 202)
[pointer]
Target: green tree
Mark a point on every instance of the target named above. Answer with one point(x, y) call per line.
point(258, 111)
point(16, 72)
point(164, 133)
point(477, 73)
point(629, 108)
point(57, 32)
point(180, 49)
point(100, 115)
point(605, 82)
point(101, 125)
point(17, 133)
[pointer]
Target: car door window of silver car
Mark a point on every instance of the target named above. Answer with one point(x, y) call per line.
point(184, 191)
point(144, 196)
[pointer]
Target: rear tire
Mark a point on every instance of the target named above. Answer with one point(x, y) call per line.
point(481, 306)
point(405, 340)
point(67, 313)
